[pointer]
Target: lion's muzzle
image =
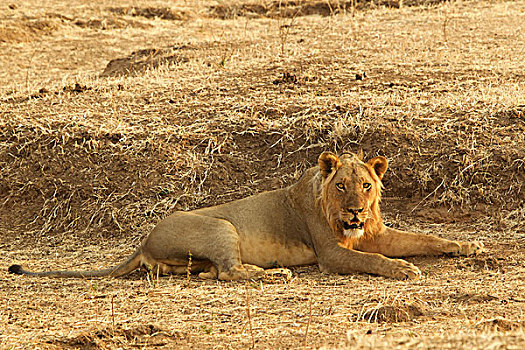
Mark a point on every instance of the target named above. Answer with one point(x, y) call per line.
point(353, 222)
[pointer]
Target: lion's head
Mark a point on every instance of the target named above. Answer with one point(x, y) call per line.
point(350, 195)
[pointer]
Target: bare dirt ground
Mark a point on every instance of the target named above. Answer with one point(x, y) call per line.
point(115, 114)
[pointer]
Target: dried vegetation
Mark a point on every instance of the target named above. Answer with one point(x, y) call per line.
point(113, 117)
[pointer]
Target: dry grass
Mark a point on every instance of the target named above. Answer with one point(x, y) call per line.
point(210, 106)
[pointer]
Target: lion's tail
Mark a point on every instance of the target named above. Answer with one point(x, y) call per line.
point(131, 264)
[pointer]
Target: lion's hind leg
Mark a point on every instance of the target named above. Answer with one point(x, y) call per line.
point(179, 268)
point(209, 245)
point(187, 236)
point(204, 269)
point(247, 271)
point(225, 255)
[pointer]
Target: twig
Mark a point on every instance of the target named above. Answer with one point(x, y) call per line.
point(430, 194)
point(308, 324)
point(112, 313)
point(249, 315)
point(188, 270)
point(158, 274)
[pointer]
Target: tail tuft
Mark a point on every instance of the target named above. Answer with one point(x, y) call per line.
point(16, 269)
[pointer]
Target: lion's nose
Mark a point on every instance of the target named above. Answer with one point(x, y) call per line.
point(354, 210)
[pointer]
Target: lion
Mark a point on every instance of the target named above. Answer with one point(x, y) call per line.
point(330, 216)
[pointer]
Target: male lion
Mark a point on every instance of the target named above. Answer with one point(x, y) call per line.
point(330, 216)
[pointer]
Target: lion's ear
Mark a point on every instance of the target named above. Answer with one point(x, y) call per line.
point(328, 162)
point(379, 164)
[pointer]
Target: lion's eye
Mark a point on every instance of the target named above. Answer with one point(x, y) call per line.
point(340, 186)
point(367, 185)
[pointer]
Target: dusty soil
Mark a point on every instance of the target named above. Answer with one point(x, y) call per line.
point(112, 117)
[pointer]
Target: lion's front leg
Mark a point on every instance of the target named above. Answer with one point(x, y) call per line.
point(334, 258)
point(396, 243)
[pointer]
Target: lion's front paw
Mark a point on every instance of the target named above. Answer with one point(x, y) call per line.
point(404, 270)
point(470, 248)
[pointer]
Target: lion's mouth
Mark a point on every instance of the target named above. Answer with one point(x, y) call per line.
point(355, 225)
point(353, 229)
